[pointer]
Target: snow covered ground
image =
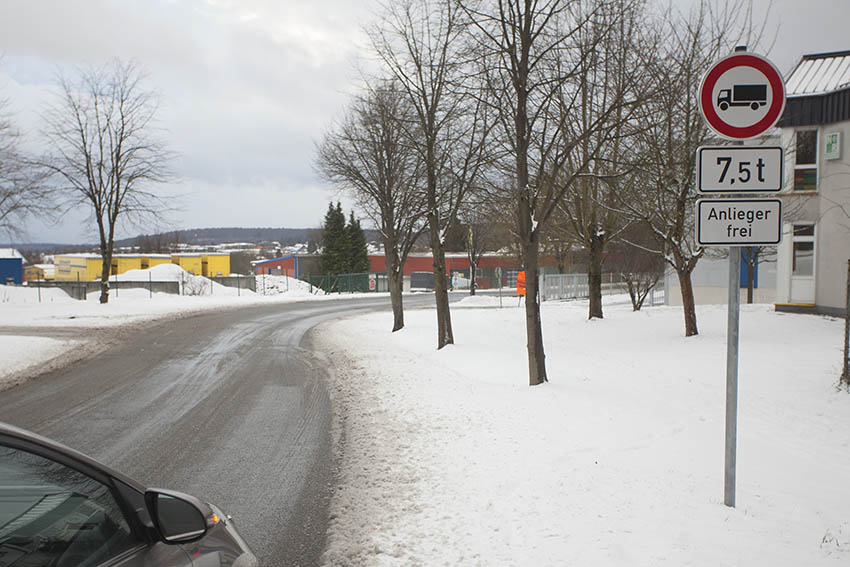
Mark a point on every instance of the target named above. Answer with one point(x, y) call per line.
point(451, 459)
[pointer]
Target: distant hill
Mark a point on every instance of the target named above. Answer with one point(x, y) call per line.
point(196, 236)
point(202, 236)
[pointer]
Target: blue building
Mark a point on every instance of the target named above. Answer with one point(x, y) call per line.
point(11, 266)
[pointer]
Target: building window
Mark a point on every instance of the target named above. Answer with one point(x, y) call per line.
point(805, 167)
point(803, 260)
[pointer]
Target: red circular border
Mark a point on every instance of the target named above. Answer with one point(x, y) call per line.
point(777, 86)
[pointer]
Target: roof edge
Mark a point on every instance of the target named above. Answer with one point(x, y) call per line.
point(826, 54)
point(257, 262)
point(821, 93)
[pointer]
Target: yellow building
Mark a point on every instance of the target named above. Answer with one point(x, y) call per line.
point(215, 264)
point(77, 267)
point(189, 262)
point(123, 262)
point(151, 260)
point(38, 272)
point(86, 267)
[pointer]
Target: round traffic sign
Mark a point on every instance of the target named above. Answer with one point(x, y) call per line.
point(742, 96)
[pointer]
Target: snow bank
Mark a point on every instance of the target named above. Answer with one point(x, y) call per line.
point(127, 307)
point(190, 284)
point(159, 273)
point(33, 294)
point(449, 458)
point(278, 285)
point(33, 350)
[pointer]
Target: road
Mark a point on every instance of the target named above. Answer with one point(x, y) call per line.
point(229, 406)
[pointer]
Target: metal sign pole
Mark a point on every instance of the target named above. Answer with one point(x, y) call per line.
point(845, 375)
point(738, 105)
point(733, 320)
point(732, 327)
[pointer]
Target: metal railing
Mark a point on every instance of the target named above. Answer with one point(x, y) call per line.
point(563, 286)
point(350, 283)
point(575, 286)
point(657, 295)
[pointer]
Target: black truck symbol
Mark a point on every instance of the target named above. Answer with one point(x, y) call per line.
point(753, 96)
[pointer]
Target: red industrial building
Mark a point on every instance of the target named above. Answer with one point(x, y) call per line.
point(454, 262)
point(295, 266)
point(302, 265)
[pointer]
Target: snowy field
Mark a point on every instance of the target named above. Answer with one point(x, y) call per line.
point(29, 306)
point(451, 459)
point(30, 317)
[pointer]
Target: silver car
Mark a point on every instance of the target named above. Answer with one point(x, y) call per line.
point(59, 508)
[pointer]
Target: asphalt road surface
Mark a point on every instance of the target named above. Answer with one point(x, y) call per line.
point(229, 406)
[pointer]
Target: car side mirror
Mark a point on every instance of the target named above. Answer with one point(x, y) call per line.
point(177, 517)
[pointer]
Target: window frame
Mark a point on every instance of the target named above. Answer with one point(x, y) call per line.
point(140, 531)
point(815, 165)
point(795, 238)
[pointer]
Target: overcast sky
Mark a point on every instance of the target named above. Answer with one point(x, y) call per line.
point(249, 86)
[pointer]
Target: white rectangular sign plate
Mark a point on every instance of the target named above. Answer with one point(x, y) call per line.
point(739, 169)
point(738, 222)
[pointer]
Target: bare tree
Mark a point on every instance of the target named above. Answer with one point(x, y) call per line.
point(105, 152)
point(611, 40)
point(368, 154)
point(421, 42)
point(637, 265)
point(672, 129)
point(534, 55)
point(481, 237)
point(752, 257)
point(559, 241)
point(23, 191)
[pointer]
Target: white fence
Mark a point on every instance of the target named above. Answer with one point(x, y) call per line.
point(563, 286)
point(574, 286)
point(657, 294)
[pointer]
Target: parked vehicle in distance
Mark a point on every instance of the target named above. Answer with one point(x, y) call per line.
point(60, 508)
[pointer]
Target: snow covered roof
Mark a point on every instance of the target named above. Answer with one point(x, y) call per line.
point(819, 73)
point(10, 253)
point(88, 255)
point(255, 262)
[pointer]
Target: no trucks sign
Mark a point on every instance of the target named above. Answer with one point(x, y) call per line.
point(742, 96)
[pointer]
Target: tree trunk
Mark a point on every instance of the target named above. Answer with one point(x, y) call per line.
point(472, 270)
point(395, 278)
point(751, 264)
point(529, 237)
point(633, 293)
point(594, 276)
point(441, 292)
point(560, 257)
point(396, 282)
point(688, 305)
point(533, 327)
point(106, 268)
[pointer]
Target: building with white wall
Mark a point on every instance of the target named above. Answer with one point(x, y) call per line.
point(710, 280)
point(811, 271)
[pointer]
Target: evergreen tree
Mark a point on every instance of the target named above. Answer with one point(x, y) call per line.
point(335, 247)
point(358, 255)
